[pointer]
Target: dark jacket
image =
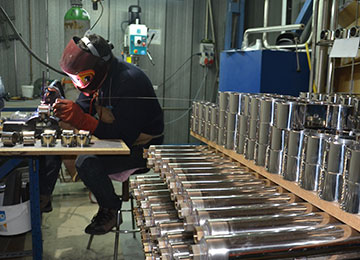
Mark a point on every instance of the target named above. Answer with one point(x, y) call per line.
point(130, 96)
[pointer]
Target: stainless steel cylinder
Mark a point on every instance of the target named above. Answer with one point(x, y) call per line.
point(233, 102)
point(316, 114)
point(267, 110)
point(294, 142)
point(9, 138)
point(213, 113)
point(330, 185)
point(277, 138)
point(83, 138)
point(350, 197)
point(223, 100)
point(231, 121)
point(249, 148)
point(243, 125)
point(241, 144)
point(213, 133)
point(313, 147)
point(273, 162)
point(334, 154)
point(264, 133)
point(253, 128)
point(254, 107)
point(260, 154)
point(339, 117)
point(309, 176)
point(48, 139)
point(291, 168)
point(222, 118)
point(289, 114)
point(230, 140)
point(352, 163)
point(221, 136)
point(68, 138)
point(28, 138)
point(305, 95)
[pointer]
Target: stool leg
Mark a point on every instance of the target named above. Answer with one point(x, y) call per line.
point(90, 240)
point(117, 233)
point(132, 215)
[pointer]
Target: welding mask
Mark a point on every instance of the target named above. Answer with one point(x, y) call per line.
point(87, 70)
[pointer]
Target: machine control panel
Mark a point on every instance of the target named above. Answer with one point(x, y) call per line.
point(136, 39)
point(207, 56)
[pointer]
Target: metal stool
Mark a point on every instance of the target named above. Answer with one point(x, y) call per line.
point(126, 196)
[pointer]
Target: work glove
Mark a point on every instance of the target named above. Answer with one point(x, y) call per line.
point(71, 113)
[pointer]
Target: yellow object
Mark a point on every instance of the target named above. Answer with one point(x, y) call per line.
point(309, 62)
point(128, 59)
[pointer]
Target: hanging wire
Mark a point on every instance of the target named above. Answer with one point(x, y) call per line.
point(182, 65)
point(101, 13)
point(196, 96)
point(12, 26)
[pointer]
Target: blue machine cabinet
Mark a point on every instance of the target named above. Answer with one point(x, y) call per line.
point(263, 71)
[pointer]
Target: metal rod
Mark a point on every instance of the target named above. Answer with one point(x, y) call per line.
point(353, 59)
point(313, 47)
point(277, 28)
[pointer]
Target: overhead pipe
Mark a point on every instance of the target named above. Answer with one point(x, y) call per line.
point(278, 47)
point(331, 61)
point(277, 28)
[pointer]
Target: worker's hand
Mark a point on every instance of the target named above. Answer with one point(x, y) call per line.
point(71, 113)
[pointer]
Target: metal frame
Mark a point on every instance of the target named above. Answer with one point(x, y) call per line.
point(237, 8)
point(5, 169)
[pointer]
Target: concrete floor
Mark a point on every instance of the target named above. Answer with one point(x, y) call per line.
point(63, 228)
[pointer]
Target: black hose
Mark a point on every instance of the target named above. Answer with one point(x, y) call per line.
point(25, 44)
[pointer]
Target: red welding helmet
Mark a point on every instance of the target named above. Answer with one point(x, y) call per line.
point(87, 70)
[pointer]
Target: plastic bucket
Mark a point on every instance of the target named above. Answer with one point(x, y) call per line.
point(27, 91)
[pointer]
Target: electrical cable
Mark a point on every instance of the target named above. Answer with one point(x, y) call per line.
point(182, 65)
point(101, 13)
point(12, 26)
point(196, 95)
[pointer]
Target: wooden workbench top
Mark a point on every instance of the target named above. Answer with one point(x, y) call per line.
point(100, 147)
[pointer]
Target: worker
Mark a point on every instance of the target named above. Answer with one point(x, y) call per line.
point(117, 101)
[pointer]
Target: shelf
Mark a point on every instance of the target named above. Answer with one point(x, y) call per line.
point(331, 208)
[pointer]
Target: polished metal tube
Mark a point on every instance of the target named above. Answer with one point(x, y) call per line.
point(260, 154)
point(278, 244)
point(350, 197)
point(291, 168)
point(330, 185)
point(201, 215)
point(274, 161)
point(260, 224)
point(309, 176)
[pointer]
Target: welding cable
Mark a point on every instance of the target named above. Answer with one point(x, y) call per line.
point(182, 65)
point(196, 96)
point(101, 13)
point(12, 26)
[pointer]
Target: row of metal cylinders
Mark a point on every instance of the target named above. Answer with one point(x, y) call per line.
point(280, 149)
point(190, 211)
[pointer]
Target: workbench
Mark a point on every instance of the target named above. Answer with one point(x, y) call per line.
point(332, 208)
point(19, 153)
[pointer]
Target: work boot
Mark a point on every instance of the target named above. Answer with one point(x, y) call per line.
point(45, 203)
point(102, 222)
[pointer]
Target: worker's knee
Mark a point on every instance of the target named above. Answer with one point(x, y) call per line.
point(86, 164)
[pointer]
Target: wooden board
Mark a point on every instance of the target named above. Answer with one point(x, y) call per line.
point(101, 147)
point(331, 208)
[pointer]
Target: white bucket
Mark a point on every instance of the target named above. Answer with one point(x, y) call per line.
point(15, 219)
point(27, 91)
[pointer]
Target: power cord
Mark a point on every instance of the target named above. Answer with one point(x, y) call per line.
point(101, 13)
point(182, 65)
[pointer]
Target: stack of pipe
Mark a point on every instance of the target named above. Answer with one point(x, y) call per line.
point(222, 211)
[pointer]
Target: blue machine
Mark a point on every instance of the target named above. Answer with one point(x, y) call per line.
point(264, 71)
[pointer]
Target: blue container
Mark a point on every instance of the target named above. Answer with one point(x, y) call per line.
point(264, 71)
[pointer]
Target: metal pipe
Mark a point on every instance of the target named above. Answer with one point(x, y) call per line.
point(265, 40)
point(313, 46)
point(331, 64)
point(322, 61)
point(277, 28)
